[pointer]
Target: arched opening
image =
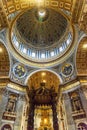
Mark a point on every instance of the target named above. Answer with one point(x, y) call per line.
point(43, 87)
point(81, 57)
point(49, 78)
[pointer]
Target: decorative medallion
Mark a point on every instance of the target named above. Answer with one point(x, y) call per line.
point(19, 70)
point(67, 69)
point(41, 14)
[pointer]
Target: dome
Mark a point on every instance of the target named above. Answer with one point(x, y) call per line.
point(41, 34)
point(40, 30)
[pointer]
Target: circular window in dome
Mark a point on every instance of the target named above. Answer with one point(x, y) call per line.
point(19, 70)
point(41, 34)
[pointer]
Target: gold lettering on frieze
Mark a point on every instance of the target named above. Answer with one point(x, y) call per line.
point(16, 87)
point(67, 87)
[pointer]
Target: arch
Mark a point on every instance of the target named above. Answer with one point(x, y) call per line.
point(50, 80)
point(49, 70)
point(81, 57)
point(4, 61)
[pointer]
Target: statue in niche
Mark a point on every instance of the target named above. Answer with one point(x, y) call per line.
point(11, 103)
point(10, 106)
point(76, 103)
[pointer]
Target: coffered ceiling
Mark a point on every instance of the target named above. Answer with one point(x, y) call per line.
point(75, 8)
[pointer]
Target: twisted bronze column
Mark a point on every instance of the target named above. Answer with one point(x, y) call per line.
point(30, 125)
point(55, 119)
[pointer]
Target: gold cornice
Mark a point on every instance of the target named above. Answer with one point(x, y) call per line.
point(79, 81)
point(5, 82)
point(16, 87)
point(83, 80)
point(70, 85)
